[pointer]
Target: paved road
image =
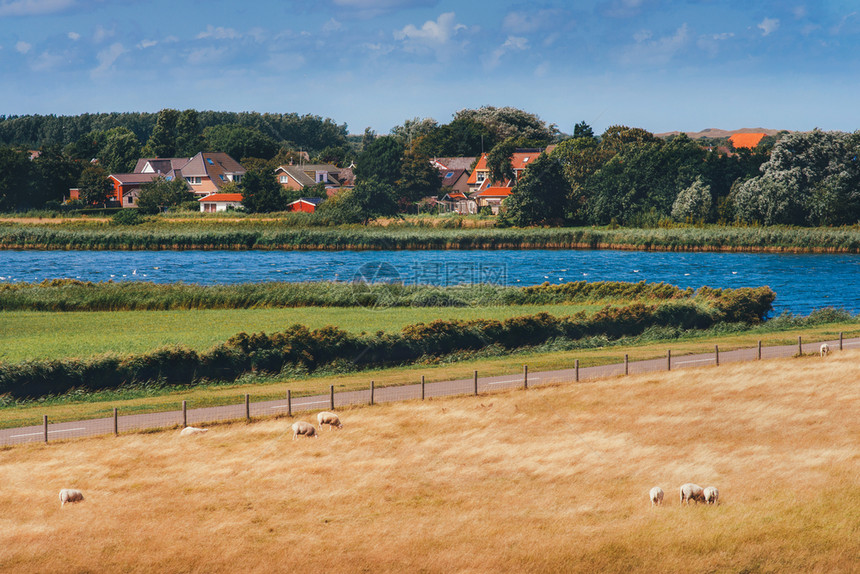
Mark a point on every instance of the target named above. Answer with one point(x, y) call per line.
point(200, 416)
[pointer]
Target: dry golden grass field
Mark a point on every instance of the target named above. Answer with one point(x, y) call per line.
point(553, 479)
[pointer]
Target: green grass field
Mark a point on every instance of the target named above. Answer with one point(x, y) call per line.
point(46, 335)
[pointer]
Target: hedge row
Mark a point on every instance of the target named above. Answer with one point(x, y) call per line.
point(300, 348)
point(74, 295)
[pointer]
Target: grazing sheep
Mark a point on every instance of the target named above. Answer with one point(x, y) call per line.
point(188, 431)
point(825, 348)
point(712, 495)
point(303, 428)
point(656, 495)
point(330, 419)
point(690, 492)
point(70, 495)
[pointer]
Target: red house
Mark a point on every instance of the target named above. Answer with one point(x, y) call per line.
point(304, 204)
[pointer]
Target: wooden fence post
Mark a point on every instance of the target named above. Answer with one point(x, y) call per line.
point(576, 368)
point(248, 407)
point(45, 422)
point(669, 360)
point(184, 414)
point(422, 387)
point(115, 422)
point(289, 403)
point(331, 396)
point(759, 350)
point(476, 383)
point(525, 377)
point(626, 364)
point(840, 340)
point(372, 391)
point(717, 355)
point(799, 345)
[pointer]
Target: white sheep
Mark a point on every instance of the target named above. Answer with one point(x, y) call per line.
point(303, 428)
point(690, 491)
point(711, 494)
point(188, 431)
point(330, 419)
point(70, 495)
point(656, 496)
point(825, 348)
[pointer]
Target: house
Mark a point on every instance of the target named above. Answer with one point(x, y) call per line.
point(457, 202)
point(219, 202)
point(206, 173)
point(297, 177)
point(746, 140)
point(492, 197)
point(519, 162)
point(305, 204)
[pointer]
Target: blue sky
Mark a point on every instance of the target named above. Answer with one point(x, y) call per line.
point(657, 64)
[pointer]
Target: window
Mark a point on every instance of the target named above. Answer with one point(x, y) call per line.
point(208, 207)
point(449, 174)
point(482, 175)
point(237, 178)
point(194, 180)
point(284, 179)
point(209, 161)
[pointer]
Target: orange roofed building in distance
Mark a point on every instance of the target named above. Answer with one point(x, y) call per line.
point(491, 194)
point(746, 140)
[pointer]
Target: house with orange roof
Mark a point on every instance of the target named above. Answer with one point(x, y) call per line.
point(205, 173)
point(220, 202)
point(746, 140)
point(491, 194)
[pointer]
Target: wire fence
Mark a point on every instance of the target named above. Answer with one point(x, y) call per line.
point(291, 406)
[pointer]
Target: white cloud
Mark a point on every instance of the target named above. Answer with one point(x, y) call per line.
point(106, 59)
point(643, 36)
point(49, 61)
point(713, 42)
point(74, 36)
point(22, 47)
point(101, 34)
point(799, 12)
point(332, 26)
point(655, 51)
point(768, 26)
point(33, 7)
point(147, 44)
point(512, 44)
point(205, 55)
point(528, 22)
point(433, 35)
point(542, 70)
point(219, 33)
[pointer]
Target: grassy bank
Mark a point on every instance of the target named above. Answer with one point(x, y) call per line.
point(549, 480)
point(280, 234)
point(155, 398)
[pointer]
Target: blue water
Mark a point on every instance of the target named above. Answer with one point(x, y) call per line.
point(802, 282)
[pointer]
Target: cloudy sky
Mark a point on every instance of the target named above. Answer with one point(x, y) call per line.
point(657, 64)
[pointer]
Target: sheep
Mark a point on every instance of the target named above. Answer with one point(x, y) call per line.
point(70, 495)
point(825, 348)
point(188, 431)
point(303, 428)
point(656, 496)
point(690, 491)
point(330, 419)
point(712, 495)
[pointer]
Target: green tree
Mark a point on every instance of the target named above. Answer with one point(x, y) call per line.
point(189, 138)
point(583, 130)
point(693, 203)
point(463, 137)
point(418, 178)
point(159, 194)
point(615, 138)
point(162, 142)
point(94, 186)
point(368, 200)
point(540, 196)
point(240, 142)
point(413, 129)
point(499, 160)
point(380, 160)
point(15, 178)
point(510, 122)
point(54, 173)
point(261, 192)
point(121, 150)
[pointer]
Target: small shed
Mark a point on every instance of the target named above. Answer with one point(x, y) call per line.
point(304, 204)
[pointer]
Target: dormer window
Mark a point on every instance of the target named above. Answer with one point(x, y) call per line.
point(193, 180)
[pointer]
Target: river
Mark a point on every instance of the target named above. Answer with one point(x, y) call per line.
point(802, 282)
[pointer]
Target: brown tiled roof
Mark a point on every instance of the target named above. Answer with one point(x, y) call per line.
point(456, 162)
point(162, 164)
point(451, 177)
point(133, 178)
